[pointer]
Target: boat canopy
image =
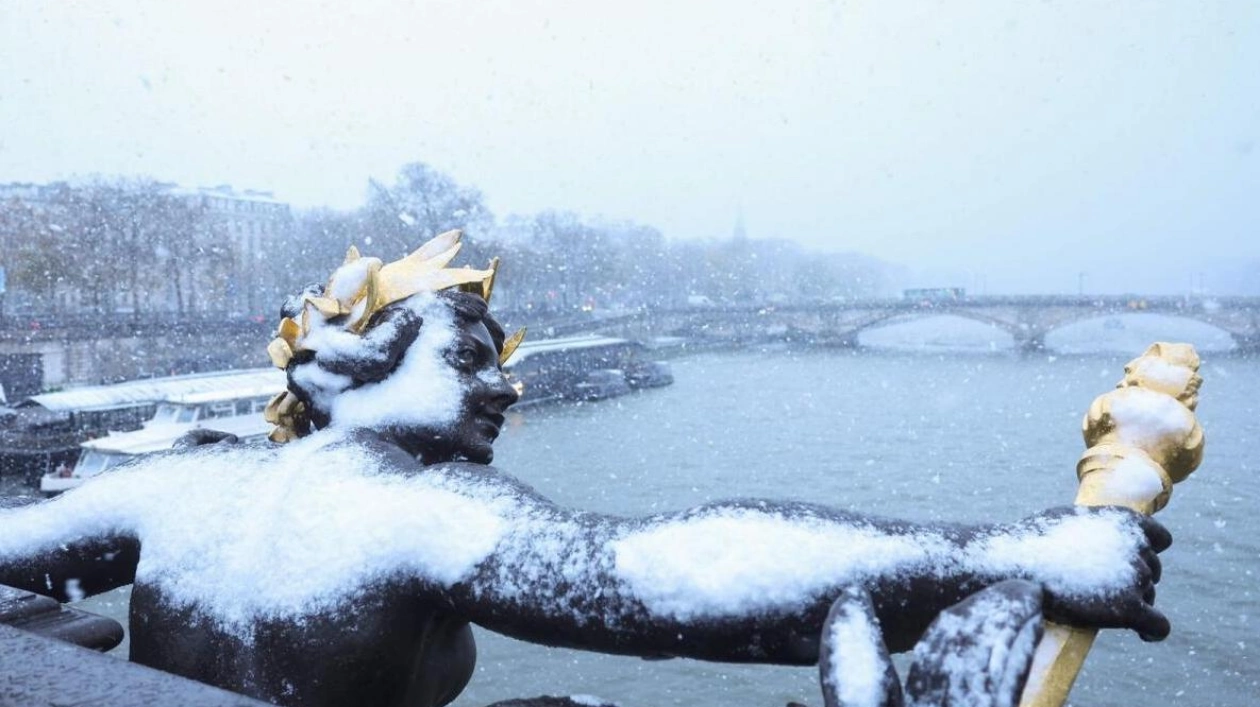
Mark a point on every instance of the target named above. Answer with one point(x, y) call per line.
point(151, 390)
point(264, 388)
point(142, 441)
point(241, 416)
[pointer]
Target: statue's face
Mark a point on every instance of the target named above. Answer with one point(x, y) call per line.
point(486, 394)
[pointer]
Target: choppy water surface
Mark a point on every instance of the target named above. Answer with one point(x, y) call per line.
point(955, 438)
point(962, 438)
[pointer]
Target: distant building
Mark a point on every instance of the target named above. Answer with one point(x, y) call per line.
point(251, 216)
point(250, 222)
point(34, 194)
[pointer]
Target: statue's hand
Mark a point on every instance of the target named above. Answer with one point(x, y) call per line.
point(1099, 565)
point(198, 437)
point(976, 652)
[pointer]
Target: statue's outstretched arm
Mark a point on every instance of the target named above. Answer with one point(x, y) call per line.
point(44, 549)
point(753, 581)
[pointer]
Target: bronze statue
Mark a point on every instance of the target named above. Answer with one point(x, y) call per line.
point(344, 566)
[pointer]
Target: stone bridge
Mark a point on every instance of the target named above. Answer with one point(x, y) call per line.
point(1028, 319)
point(63, 351)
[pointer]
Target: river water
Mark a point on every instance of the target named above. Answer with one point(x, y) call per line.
point(923, 436)
point(971, 438)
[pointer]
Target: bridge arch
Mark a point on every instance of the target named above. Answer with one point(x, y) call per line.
point(930, 329)
point(1128, 331)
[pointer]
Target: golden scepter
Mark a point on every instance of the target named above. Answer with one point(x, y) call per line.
point(1142, 438)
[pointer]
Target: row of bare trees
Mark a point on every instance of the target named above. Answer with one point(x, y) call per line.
point(558, 261)
point(136, 245)
point(108, 246)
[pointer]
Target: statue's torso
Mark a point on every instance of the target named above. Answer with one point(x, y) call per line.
point(382, 647)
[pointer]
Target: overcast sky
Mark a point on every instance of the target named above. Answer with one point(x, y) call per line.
point(1006, 146)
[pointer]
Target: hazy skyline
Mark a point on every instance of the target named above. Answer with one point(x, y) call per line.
point(1003, 147)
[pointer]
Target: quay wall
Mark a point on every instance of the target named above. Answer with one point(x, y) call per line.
point(64, 359)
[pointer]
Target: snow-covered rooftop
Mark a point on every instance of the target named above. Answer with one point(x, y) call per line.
point(152, 390)
point(249, 389)
point(531, 348)
point(225, 191)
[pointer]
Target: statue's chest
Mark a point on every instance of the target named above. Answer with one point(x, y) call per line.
point(290, 549)
point(369, 645)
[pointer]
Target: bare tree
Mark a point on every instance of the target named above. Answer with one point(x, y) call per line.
point(320, 237)
point(421, 203)
point(197, 256)
point(35, 253)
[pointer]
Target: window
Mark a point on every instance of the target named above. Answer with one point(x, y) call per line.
point(215, 410)
point(166, 413)
point(94, 462)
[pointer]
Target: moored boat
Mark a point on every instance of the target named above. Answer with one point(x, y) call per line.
point(237, 411)
point(584, 368)
point(44, 431)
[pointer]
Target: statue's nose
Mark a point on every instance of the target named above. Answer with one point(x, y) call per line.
point(505, 394)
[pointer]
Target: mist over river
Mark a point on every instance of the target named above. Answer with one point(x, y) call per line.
point(958, 437)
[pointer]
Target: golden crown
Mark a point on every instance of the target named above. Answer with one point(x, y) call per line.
point(363, 286)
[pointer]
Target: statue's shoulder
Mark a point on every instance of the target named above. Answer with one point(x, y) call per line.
point(363, 443)
point(488, 479)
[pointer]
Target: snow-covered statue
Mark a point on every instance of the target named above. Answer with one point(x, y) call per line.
point(344, 566)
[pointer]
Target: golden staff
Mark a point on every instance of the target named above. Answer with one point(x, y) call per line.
point(1142, 438)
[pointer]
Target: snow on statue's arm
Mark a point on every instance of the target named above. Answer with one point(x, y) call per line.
point(753, 580)
point(66, 548)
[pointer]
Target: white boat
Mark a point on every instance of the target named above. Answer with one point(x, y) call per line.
point(45, 430)
point(124, 406)
point(237, 411)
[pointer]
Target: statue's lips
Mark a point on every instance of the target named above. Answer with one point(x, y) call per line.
point(491, 423)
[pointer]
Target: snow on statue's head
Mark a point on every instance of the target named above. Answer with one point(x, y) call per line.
point(406, 348)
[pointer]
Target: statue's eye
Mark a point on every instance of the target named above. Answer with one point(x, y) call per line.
point(464, 357)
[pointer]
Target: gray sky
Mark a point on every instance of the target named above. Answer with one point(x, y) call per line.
point(1006, 146)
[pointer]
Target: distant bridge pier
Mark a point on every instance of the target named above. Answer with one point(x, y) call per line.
point(850, 339)
point(1248, 344)
point(1031, 342)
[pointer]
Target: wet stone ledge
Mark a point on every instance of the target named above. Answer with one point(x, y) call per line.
point(46, 617)
point(49, 656)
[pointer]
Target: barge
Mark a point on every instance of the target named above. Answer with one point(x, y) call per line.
point(583, 368)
